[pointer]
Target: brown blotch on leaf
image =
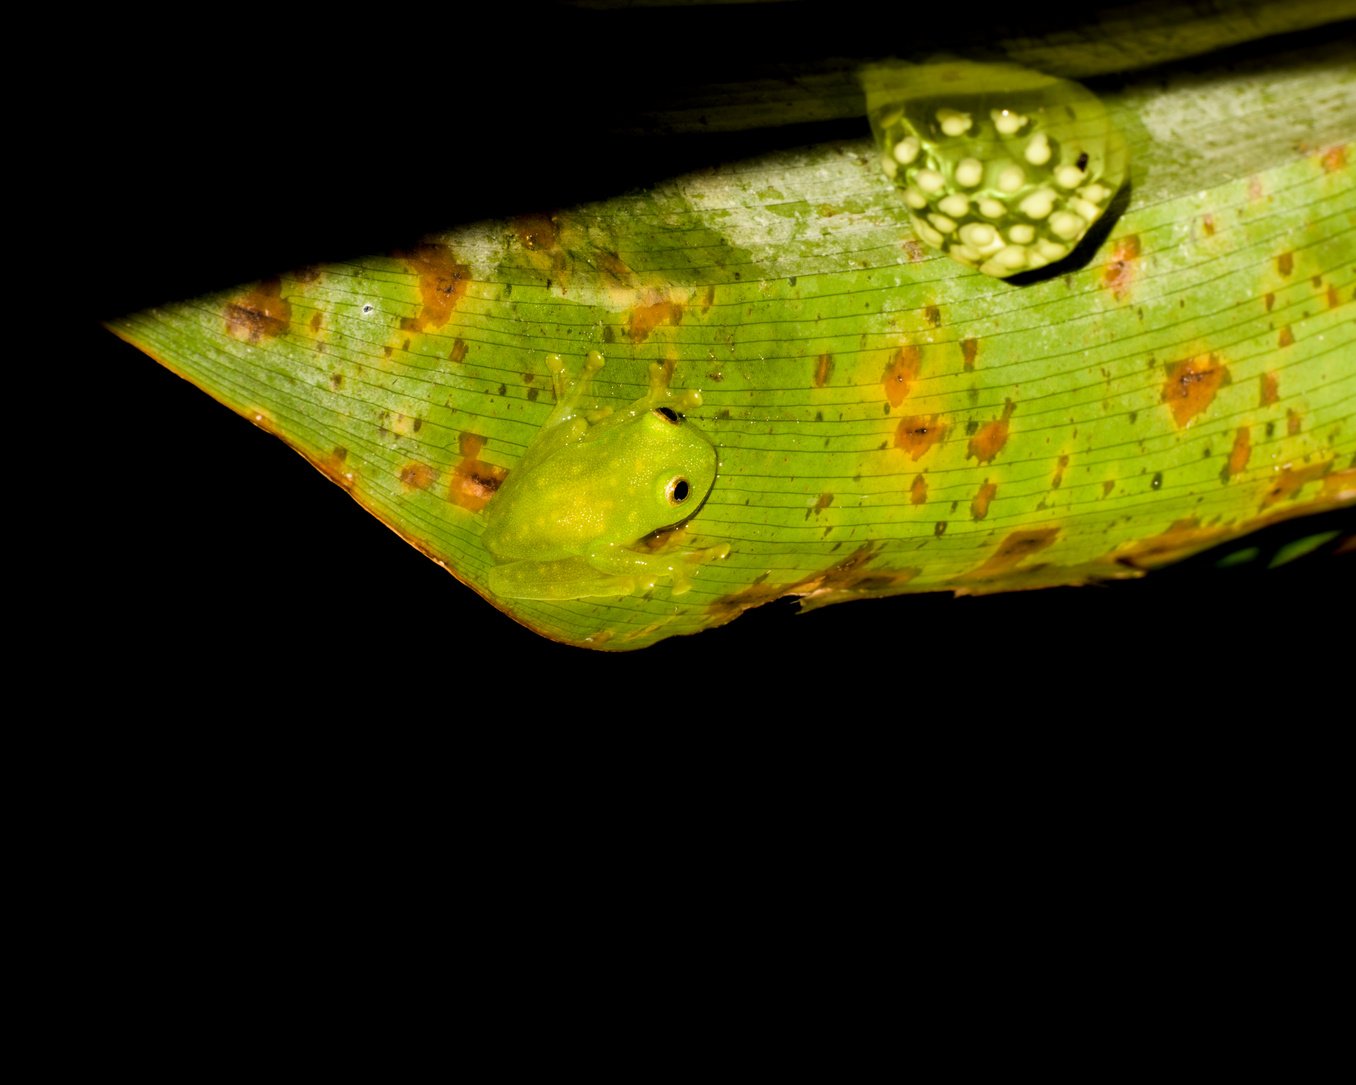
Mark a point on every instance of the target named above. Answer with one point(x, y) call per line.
point(1181, 539)
point(918, 492)
point(1058, 479)
point(979, 505)
point(1238, 455)
point(969, 348)
point(1191, 386)
point(821, 503)
point(900, 372)
point(1269, 299)
point(1290, 480)
point(1119, 274)
point(316, 321)
point(1270, 390)
point(1285, 263)
point(1208, 225)
point(657, 310)
point(1015, 549)
point(1292, 422)
point(990, 438)
point(458, 351)
point(939, 528)
point(261, 314)
point(932, 315)
point(1108, 486)
point(1340, 485)
point(823, 370)
point(915, 251)
point(442, 284)
point(336, 381)
point(1335, 158)
point(334, 465)
point(614, 267)
point(1333, 300)
point(535, 232)
point(835, 578)
point(708, 298)
point(1285, 337)
point(418, 476)
point(473, 482)
point(917, 433)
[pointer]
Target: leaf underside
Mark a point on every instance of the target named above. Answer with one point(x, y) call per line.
point(887, 420)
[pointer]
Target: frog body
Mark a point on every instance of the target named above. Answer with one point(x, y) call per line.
point(570, 519)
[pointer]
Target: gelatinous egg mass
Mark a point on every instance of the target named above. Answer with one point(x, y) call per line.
point(1002, 168)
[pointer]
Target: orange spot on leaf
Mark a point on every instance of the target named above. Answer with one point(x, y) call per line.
point(979, 506)
point(1239, 454)
point(1208, 225)
point(261, 314)
point(915, 251)
point(1119, 273)
point(1181, 539)
point(1285, 263)
point(645, 318)
point(1191, 386)
point(1286, 337)
point(1015, 549)
point(918, 433)
point(901, 371)
point(418, 476)
point(969, 348)
point(442, 284)
point(1288, 483)
point(473, 481)
point(823, 370)
point(1292, 422)
point(918, 492)
point(1333, 301)
point(1270, 389)
point(1335, 158)
point(1340, 485)
point(990, 438)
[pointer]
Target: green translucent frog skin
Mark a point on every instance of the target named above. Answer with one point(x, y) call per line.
point(569, 520)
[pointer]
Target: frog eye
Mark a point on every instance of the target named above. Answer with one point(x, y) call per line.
point(669, 415)
point(677, 491)
point(1002, 168)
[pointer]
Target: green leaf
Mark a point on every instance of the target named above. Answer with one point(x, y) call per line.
point(887, 421)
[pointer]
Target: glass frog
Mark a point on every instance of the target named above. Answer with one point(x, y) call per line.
point(570, 520)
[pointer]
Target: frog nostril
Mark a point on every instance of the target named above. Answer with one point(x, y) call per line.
point(678, 491)
point(669, 413)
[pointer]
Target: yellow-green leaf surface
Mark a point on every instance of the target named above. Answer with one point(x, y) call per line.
point(887, 420)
